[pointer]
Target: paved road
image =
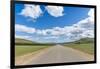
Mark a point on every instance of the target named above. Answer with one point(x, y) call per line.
point(59, 54)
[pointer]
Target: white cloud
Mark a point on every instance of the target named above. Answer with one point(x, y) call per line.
point(88, 33)
point(87, 25)
point(22, 36)
point(51, 37)
point(32, 11)
point(91, 13)
point(52, 31)
point(87, 21)
point(42, 32)
point(23, 28)
point(55, 11)
point(84, 28)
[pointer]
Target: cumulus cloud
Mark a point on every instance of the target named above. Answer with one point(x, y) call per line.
point(22, 36)
point(32, 11)
point(23, 28)
point(91, 13)
point(87, 25)
point(51, 37)
point(83, 28)
point(88, 33)
point(55, 11)
point(51, 31)
point(56, 31)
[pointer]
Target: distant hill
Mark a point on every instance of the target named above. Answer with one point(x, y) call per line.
point(84, 40)
point(19, 41)
point(22, 41)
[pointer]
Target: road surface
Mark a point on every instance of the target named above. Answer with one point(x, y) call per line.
point(59, 54)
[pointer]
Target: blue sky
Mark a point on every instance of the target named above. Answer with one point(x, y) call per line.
point(42, 23)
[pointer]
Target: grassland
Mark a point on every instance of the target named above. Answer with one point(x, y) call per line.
point(26, 46)
point(85, 47)
point(23, 46)
point(21, 49)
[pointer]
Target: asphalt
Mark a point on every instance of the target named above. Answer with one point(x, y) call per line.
point(59, 54)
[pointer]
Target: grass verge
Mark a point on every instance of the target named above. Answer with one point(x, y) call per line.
point(87, 48)
point(21, 50)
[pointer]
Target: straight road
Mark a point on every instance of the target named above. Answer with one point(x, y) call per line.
point(60, 54)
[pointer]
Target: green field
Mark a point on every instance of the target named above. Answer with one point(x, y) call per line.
point(21, 50)
point(26, 46)
point(86, 47)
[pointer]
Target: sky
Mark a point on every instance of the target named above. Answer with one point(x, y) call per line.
point(57, 24)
